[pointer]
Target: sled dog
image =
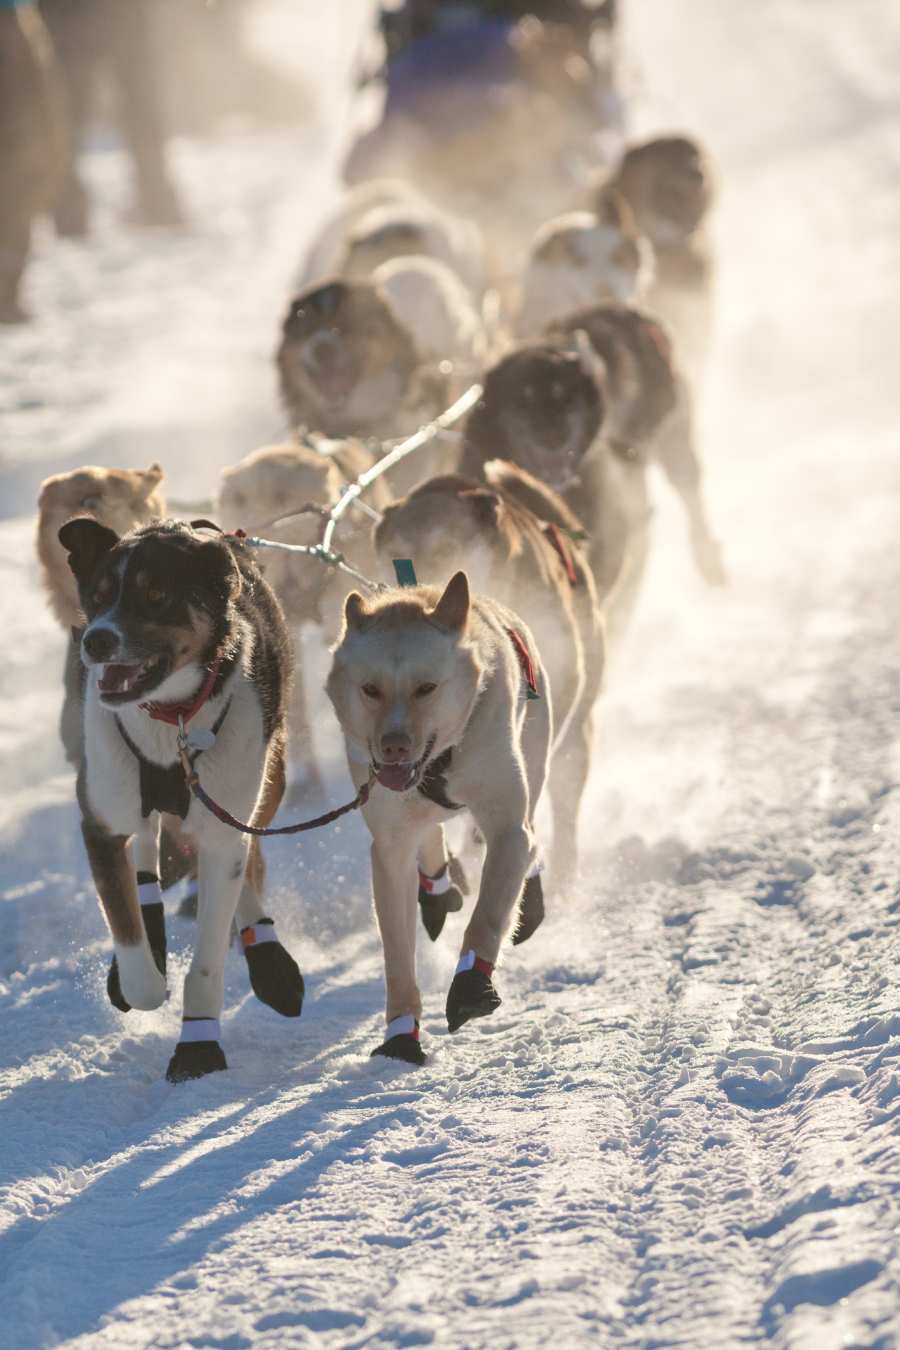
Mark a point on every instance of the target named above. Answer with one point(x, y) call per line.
point(650, 412)
point(349, 367)
point(180, 628)
point(668, 183)
point(431, 692)
point(517, 539)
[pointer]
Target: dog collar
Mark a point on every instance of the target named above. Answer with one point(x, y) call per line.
point(181, 713)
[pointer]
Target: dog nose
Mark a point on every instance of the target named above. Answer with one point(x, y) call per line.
point(395, 747)
point(100, 643)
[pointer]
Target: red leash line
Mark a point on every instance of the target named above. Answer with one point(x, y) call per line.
point(227, 818)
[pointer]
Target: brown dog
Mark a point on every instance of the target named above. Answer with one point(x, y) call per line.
point(349, 367)
point(668, 183)
point(515, 538)
point(650, 411)
point(543, 409)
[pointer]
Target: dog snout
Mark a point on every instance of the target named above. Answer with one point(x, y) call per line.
point(396, 747)
point(100, 644)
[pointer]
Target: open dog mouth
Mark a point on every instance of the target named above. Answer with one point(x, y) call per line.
point(404, 776)
point(120, 683)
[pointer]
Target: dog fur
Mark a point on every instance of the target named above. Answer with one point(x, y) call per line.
point(418, 672)
point(669, 184)
point(650, 410)
point(386, 219)
point(168, 602)
point(580, 259)
point(499, 531)
point(349, 367)
point(265, 486)
point(437, 310)
point(543, 409)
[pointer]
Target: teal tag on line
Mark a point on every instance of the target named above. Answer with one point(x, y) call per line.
point(405, 572)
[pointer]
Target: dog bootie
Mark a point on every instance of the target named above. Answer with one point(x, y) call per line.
point(274, 974)
point(402, 1041)
point(198, 1052)
point(154, 917)
point(438, 897)
point(531, 910)
point(472, 993)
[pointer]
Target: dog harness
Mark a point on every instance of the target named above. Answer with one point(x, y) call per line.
point(554, 535)
point(164, 787)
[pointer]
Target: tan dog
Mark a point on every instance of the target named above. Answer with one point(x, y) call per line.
point(269, 484)
point(117, 498)
point(668, 183)
point(431, 693)
point(515, 537)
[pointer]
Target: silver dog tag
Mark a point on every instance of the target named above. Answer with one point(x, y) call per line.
point(201, 739)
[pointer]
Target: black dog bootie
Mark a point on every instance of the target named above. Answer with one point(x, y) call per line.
point(198, 1052)
point(438, 897)
point(402, 1041)
point(274, 974)
point(472, 993)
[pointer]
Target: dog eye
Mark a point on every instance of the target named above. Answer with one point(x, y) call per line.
point(371, 691)
point(90, 503)
point(425, 689)
point(155, 596)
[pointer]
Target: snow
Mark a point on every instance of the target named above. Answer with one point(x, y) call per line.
point(681, 1128)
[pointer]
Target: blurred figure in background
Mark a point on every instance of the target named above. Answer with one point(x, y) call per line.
point(32, 141)
point(113, 41)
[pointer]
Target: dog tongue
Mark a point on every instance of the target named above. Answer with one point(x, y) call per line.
point(117, 678)
point(395, 776)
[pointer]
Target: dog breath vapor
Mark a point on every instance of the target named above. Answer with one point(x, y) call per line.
point(680, 1127)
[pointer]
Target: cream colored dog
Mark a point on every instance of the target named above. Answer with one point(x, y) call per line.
point(581, 259)
point(432, 694)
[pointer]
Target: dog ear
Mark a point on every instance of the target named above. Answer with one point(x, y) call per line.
point(219, 568)
point(354, 610)
point(149, 478)
point(86, 541)
point(452, 610)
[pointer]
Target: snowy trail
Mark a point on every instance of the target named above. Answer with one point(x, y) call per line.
point(681, 1128)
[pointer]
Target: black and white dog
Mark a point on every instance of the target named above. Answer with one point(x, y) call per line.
point(181, 629)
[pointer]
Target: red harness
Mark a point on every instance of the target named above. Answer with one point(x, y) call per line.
point(554, 534)
point(173, 712)
point(525, 661)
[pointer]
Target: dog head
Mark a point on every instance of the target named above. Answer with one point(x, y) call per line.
point(541, 408)
point(159, 604)
point(443, 522)
point(117, 498)
point(582, 259)
point(668, 182)
point(638, 374)
point(268, 484)
point(404, 678)
point(345, 361)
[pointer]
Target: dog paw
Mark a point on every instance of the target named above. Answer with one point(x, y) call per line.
point(195, 1059)
point(531, 911)
point(403, 1047)
point(472, 994)
point(275, 978)
point(435, 909)
point(135, 981)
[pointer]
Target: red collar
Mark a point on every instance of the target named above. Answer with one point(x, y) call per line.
point(172, 712)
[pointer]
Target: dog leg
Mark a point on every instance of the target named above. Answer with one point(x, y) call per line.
point(223, 860)
point(145, 852)
point(568, 779)
point(139, 981)
point(439, 893)
point(274, 974)
point(394, 887)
